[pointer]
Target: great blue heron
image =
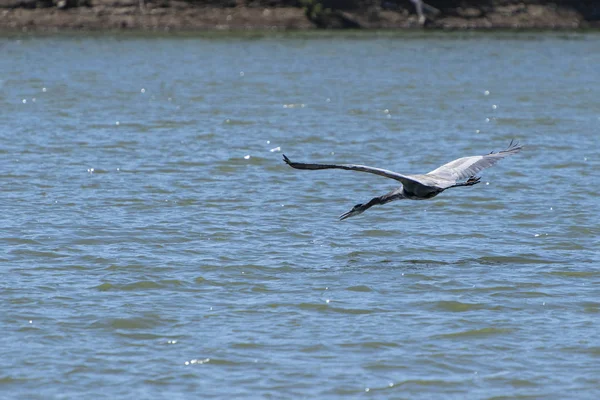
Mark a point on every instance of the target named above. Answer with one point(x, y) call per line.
point(420, 187)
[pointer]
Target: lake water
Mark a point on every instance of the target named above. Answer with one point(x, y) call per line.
point(154, 244)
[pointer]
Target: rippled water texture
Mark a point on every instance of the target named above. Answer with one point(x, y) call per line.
point(154, 245)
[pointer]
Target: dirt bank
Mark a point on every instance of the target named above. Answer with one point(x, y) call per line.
point(172, 15)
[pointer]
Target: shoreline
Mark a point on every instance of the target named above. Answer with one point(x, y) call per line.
point(178, 16)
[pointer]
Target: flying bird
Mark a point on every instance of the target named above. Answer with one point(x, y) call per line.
point(457, 173)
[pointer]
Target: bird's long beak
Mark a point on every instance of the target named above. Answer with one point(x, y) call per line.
point(350, 213)
point(345, 215)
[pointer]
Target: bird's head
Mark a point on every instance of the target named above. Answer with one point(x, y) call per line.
point(356, 210)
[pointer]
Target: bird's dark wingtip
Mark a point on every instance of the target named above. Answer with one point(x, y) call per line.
point(287, 160)
point(514, 146)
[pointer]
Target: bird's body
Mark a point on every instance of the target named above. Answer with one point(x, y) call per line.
point(419, 187)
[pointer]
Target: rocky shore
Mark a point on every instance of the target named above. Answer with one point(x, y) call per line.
point(236, 15)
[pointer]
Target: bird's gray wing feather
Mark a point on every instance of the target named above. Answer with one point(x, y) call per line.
point(405, 180)
point(466, 167)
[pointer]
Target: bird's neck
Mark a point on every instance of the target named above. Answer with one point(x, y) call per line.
point(394, 195)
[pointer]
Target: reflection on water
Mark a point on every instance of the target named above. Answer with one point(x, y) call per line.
point(155, 241)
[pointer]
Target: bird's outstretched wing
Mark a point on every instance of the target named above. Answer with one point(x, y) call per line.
point(405, 180)
point(467, 167)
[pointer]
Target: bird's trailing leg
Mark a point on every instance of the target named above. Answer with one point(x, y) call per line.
point(474, 180)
